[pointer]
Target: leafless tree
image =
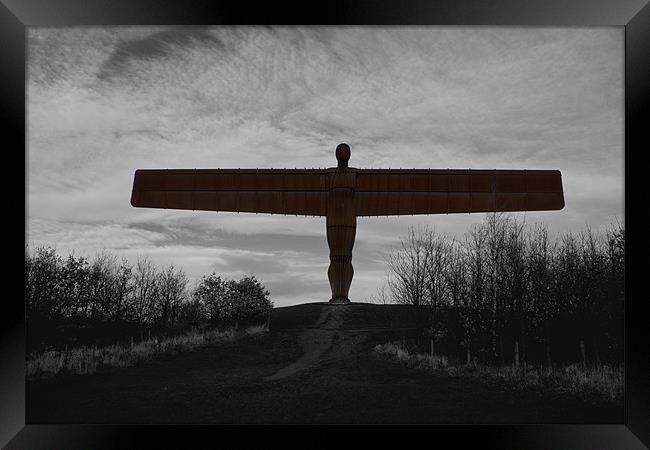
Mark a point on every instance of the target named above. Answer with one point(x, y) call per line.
point(542, 305)
point(382, 296)
point(495, 226)
point(170, 291)
point(438, 254)
point(456, 273)
point(101, 286)
point(42, 283)
point(514, 292)
point(593, 307)
point(123, 289)
point(144, 278)
point(475, 246)
point(408, 265)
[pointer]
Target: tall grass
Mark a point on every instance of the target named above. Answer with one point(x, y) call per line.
point(603, 381)
point(87, 360)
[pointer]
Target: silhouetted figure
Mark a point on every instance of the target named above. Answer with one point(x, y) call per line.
point(343, 193)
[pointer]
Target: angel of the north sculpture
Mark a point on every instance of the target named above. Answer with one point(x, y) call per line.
point(342, 193)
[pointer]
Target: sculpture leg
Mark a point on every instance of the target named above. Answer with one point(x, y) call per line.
point(341, 240)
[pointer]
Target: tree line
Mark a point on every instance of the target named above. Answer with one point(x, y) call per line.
point(509, 293)
point(111, 295)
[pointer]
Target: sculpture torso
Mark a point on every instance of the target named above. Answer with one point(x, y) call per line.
point(341, 226)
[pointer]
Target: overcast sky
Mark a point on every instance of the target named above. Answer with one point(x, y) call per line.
point(103, 102)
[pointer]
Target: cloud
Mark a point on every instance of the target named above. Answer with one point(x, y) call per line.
point(128, 54)
point(103, 102)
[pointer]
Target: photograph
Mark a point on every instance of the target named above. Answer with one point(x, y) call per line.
point(325, 224)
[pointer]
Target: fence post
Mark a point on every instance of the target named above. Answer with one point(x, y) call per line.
point(583, 354)
point(517, 354)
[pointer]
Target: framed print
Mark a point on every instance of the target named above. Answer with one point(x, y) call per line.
point(244, 217)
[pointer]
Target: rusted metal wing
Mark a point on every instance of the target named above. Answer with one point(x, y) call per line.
point(271, 191)
point(403, 191)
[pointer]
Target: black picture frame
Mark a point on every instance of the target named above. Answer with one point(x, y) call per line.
point(634, 15)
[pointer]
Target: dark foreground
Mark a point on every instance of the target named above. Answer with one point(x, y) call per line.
point(315, 366)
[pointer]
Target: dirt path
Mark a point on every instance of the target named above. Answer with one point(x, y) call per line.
point(315, 341)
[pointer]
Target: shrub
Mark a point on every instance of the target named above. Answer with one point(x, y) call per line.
point(234, 302)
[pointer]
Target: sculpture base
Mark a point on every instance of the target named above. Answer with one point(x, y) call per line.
point(339, 300)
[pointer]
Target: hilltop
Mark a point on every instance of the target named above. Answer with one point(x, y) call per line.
point(316, 365)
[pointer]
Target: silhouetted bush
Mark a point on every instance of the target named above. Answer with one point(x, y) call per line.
point(233, 302)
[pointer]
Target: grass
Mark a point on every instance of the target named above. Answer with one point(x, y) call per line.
point(87, 360)
point(603, 382)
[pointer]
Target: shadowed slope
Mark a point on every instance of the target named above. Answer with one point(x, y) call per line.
point(316, 365)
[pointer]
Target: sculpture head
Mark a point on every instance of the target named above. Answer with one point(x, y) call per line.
point(343, 155)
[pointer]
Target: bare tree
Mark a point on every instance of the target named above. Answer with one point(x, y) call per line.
point(438, 256)
point(615, 292)
point(408, 265)
point(144, 278)
point(42, 283)
point(124, 286)
point(101, 286)
point(71, 298)
point(514, 290)
point(438, 253)
point(593, 308)
point(456, 273)
point(381, 297)
point(495, 226)
point(171, 290)
point(475, 251)
point(542, 304)
point(568, 286)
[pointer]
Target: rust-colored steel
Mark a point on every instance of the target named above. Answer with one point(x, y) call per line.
point(342, 193)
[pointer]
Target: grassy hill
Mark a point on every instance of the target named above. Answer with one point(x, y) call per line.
point(317, 364)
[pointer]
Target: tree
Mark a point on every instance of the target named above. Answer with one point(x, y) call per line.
point(171, 285)
point(615, 292)
point(456, 273)
point(101, 286)
point(144, 280)
point(437, 259)
point(514, 290)
point(568, 286)
point(407, 265)
point(124, 287)
point(594, 306)
point(42, 278)
point(250, 301)
point(495, 226)
point(192, 312)
point(381, 297)
point(71, 297)
point(234, 302)
point(473, 304)
point(542, 305)
point(211, 293)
